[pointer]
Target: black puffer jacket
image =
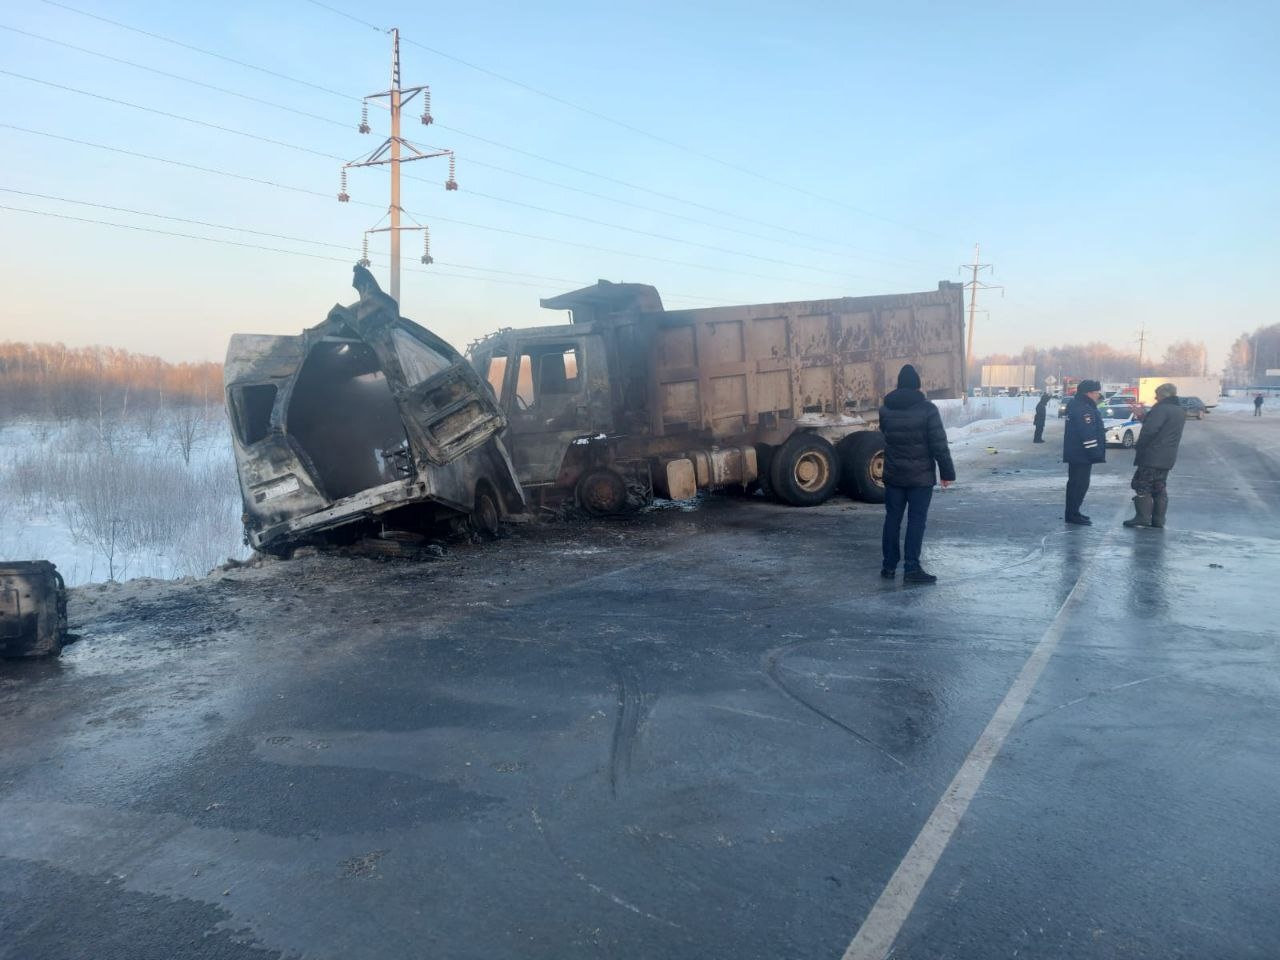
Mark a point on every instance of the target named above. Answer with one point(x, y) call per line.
point(914, 441)
point(1161, 434)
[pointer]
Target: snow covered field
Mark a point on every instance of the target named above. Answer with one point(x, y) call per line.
point(121, 500)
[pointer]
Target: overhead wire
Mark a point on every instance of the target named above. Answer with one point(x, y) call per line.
point(346, 96)
point(640, 131)
point(433, 217)
point(279, 236)
point(493, 197)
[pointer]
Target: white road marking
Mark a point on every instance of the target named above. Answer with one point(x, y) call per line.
point(875, 937)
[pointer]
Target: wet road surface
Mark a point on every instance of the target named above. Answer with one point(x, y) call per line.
point(710, 734)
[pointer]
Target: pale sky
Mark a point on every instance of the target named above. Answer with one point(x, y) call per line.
point(1116, 161)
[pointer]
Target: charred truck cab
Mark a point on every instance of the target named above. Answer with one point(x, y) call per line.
point(629, 399)
point(367, 418)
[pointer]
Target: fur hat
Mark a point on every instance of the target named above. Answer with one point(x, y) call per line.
point(1089, 386)
point(908, 379)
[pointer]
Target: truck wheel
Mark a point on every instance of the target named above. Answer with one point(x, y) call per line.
point(1127, 440)
point(862, 466)
point(486, 518)
point(804, 470)
point(602, 492)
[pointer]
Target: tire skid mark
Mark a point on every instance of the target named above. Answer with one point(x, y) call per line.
point(772, 672)
point(632, 702)
point(578, 875)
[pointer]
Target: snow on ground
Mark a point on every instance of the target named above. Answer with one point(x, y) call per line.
point(116, 501)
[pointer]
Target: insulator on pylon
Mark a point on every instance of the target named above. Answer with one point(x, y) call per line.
point(426, 117)
point(451, 183)
point(364, 117)
point(364, 252)
point(426, 246)
point(343, 196)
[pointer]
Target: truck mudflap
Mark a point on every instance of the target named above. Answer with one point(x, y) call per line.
point(33, 609)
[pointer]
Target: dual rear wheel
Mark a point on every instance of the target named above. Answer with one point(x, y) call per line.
point(806, 469)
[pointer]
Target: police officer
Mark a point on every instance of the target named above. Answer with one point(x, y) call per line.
point(1154, 457)
point(1083, 444)
point(1039, 419)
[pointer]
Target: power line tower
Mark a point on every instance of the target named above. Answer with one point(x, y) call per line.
point(389, 154)
point(973, 286)
point(1142, 343)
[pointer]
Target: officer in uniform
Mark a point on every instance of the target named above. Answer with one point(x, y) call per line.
point(1083, 444)
point(1154, 457)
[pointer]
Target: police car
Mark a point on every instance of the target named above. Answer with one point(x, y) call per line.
point(1122, 433)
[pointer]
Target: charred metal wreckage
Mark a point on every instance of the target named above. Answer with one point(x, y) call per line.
point(370, 419)
point(364, 422)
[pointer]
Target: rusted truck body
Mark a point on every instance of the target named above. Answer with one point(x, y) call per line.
point(628, 399)
point(33, 609)
point(366, 420)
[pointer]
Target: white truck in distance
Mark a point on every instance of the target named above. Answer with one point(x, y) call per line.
point(1208, 389)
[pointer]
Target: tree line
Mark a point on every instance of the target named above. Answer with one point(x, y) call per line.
point(1246, 362)
point(54, 381)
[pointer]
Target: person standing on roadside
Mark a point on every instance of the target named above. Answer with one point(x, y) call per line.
point(1083, 444)
point(915, 452)
point(1257, 404)
point(1154, 457)
point(1039, 420)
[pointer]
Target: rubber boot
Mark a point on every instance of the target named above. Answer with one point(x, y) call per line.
point(1142, 506)
point(1159, 509)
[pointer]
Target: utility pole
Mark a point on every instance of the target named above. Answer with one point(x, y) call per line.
point(1142, 342)
point(389, 154)
point(974, 285)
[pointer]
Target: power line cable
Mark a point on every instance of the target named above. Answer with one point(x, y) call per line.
point(195, 49)
point(640, 131)
point(471, 161)
point(346, 96)
point(292, 239)
point(487, 196)
point(464, 223)
point(175, 76)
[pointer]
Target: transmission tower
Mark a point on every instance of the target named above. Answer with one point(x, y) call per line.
point(389, 154)
point(1142, 343)
point(973, 286)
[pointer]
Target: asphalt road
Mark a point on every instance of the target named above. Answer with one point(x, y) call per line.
point(695, 734)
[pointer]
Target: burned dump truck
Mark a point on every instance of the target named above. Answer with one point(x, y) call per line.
point(363, 423)
point(629, 399)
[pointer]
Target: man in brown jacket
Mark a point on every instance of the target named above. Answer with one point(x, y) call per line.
point(1154, 457)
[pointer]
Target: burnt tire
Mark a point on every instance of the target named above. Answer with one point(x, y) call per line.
point(862, 466)
point(486, 517)
point(804, 470)
point(602, 493)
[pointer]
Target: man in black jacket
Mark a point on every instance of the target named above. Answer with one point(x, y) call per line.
point(1084, 443)
point(1154, 457)
point(1039, 420)
point(914, 444)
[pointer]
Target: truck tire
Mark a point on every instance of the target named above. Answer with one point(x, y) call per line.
point(804, 470)
point(602, 493)
point(486, 519)
point(862, 466)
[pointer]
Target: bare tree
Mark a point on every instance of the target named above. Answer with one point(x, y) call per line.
point(186, 426)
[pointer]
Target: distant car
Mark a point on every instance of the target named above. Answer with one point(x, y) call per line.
point(1122, 407)
point(1193, 406)
point(1122, 433)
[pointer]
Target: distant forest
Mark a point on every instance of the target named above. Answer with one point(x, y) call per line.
point(50, 380)
point(1249, 357)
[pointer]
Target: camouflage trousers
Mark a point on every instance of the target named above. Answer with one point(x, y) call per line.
point(1149, 481)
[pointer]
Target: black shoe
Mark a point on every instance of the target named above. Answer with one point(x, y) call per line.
point(1081, 520)
point(887, 574)
point(1037, 441)
point(918, 576)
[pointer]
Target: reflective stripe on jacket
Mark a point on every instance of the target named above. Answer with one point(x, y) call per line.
point(1085, 439)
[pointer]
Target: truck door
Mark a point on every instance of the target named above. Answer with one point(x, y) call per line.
point(446, 408)
point(275, 477)
point(546, 393)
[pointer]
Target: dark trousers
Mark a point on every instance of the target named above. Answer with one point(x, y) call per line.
point(914, 501)
point(1078, 475)
point(1039, 432)
point(1150, 481)
point(1257, 409)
